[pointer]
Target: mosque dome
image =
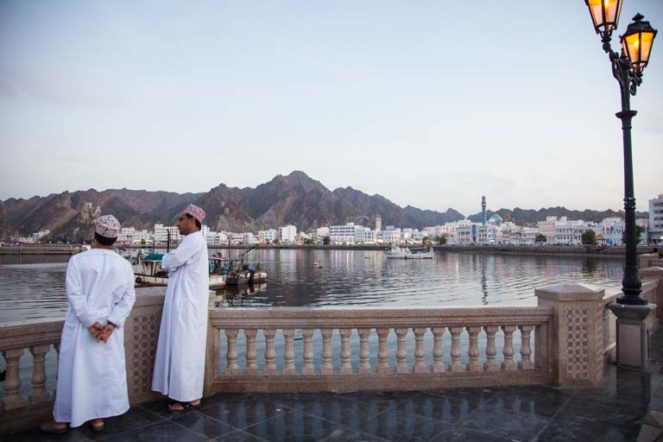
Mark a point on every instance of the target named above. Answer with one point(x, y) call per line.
point(495, 218)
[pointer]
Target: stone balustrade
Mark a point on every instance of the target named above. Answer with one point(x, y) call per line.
point(376, 349)
point(565, 340)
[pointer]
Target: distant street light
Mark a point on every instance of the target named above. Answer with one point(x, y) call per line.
point(627, 68)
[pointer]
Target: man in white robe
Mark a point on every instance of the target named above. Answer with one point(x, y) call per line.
point(179, 368)
point(92, 378)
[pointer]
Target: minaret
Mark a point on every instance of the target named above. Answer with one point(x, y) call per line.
point(378, 223)
point(483, 209)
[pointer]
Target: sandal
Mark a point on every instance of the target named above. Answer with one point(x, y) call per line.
point(178, 407)
point(96, 425)
point(53, 427)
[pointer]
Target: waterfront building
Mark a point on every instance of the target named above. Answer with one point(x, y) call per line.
point(235, 239)
point(570, 232)
point(319, 234)
point(129, 235)
point(287, 234)
point(378, 223)
point(249, 239)
point(391, 235)
point(345, 234)
point(612, 231)
point(161, 234)
point(267, 236)
point(464, 232)
point(216, 239)
point(547, 227)
point(656, 220)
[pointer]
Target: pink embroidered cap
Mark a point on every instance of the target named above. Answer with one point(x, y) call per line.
point(107, 226)
point(195, 211)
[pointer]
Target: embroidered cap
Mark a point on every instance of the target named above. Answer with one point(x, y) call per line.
point(107, 226)
point(195, 211)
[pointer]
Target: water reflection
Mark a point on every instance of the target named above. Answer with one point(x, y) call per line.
point(33, 287)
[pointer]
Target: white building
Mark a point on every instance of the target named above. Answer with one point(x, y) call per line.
point(129, 235)
point(287, 234)
point(249, 239)
point(391, 235)
point(161, 234)
point(612, 231)
point(570, 232)
point(267, 236)
point(345, 234)
point(656, 220)
point(216, 239)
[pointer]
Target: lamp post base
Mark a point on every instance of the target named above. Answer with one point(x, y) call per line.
point(632, 334)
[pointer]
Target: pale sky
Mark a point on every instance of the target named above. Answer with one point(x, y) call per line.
point(428, 103)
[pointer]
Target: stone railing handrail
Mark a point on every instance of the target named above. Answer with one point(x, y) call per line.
point(377, 366)
point(305, 317)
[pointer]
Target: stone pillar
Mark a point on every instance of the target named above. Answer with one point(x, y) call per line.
point(632, 334)
point(577, 332)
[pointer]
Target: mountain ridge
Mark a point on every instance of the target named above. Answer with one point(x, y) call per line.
point(294, 199)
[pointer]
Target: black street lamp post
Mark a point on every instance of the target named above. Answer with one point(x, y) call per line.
point(627, 68)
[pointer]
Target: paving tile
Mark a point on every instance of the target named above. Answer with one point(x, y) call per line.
point(609, 413)
point(539, 400)
point(294, 426)
point(404, 426)
point(162, 431)
point(242, 411)
point(202, 424)
point(502, 424)
point(134, 418)
point(72, 435)
point(580, 429)
point(464, 435)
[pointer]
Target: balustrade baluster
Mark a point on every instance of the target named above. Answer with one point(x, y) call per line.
point(525, 349)
point(270, 353)
point(327, 365)
point(473, 352)
point(38, 393)
point(401, 351)
point(251, 354)
point(508, 363)
point(491, 363)
point(231, 355)
point(12, 380)
point(383, 350)
point(308, 367)
point(364, 351)
point(346, 355)
point(289, 351)
point(438, 351)
point(456, 364)
point(419, 363)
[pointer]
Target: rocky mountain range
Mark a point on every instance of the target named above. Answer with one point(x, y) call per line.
point(294, 199)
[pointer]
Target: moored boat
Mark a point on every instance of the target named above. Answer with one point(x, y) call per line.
point(397, 252)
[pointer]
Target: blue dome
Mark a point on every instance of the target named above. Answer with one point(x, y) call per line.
point(495, 218)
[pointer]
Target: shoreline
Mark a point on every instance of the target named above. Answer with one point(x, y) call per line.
point(542, 250)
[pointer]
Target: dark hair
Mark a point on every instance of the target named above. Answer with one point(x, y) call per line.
point(197, 222)
point(103, 240)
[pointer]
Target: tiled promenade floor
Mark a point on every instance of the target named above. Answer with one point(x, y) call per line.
point(614, 411)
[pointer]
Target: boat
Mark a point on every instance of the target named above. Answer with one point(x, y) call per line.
point(148, 272)
point(397, 252)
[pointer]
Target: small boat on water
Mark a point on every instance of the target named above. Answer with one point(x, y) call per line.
point(148, 272)
point(397, 252)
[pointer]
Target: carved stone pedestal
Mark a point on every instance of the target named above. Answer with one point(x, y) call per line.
point(632, 334)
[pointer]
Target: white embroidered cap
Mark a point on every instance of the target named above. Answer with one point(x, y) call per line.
point(107, 226)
